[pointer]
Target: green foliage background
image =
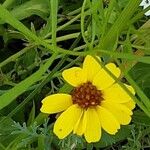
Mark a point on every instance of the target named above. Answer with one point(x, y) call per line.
point(41, 38)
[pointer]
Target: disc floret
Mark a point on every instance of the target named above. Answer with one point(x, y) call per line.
point(86, 95)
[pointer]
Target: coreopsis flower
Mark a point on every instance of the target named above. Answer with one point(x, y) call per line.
point(145, 4)
point(97, 102)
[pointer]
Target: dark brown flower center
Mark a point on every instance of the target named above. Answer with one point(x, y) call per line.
point(86, 95)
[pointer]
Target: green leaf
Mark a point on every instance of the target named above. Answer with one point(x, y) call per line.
point(108, 140)
point(41, 142)
point(33, 7)
point(54, 8)
point(107, 42)
point(123, 3)
point(6, 129)
point(31, 115)
point(141, 74)
point(28, 58)
point(141, 118)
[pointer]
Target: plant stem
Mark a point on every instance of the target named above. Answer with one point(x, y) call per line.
point(15, 56)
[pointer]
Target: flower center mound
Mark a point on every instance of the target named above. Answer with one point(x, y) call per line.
point(86, 95)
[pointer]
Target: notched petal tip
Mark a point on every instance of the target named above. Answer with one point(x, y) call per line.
point(120, 111)
point(108, 121)
point(56, 103)
point(93, 127)
point(116, 93)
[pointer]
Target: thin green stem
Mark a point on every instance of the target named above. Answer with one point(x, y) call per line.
point(108, 14)
point(67, 24)
point(15, 56)
point(144, 59)
point(64, 38)
point(139, 15)
point(83, 15)
point(9, 18)
point(54, 6)
point(136, 46)
point(108, 41)
point(140, 93)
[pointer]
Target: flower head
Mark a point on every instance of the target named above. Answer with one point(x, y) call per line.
point(97, 102)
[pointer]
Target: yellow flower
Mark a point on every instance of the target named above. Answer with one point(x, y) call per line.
point(97, 102)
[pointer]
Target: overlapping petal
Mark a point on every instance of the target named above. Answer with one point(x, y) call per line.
point(56, 103)
point(90, 67)
point(119, 111)
point(80, 126)
point(103, 79)
point(75, 76)
point(130, 104)
point(93, 127)
point(108, 122)
point(64, 125)
point(116, 93)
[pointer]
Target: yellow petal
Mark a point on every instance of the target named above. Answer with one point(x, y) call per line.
point(56, 103)
point(93, 127)
point(91, 67)
point(66, 121)
point(74, 76)
point(124, 109)
point(130, 104)
point(103, 79)
point(80, 126)
point(117, 94)
point(108, 121)
point(120, 114)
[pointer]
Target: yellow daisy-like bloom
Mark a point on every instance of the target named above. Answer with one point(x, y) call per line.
point(97, 102)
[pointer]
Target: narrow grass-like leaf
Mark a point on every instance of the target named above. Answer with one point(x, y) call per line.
point(144, 59)
point(108, 14)
point(139, 92)
point(140, 117)
point(21, 87)
point(15, 56)
point(142, 101)
point(107, 41)
point(83, 15)
point(54, 7)
point(8, 3)
point(29, 8)
point(41, 142)
point(31, 115)
point(2, 147)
